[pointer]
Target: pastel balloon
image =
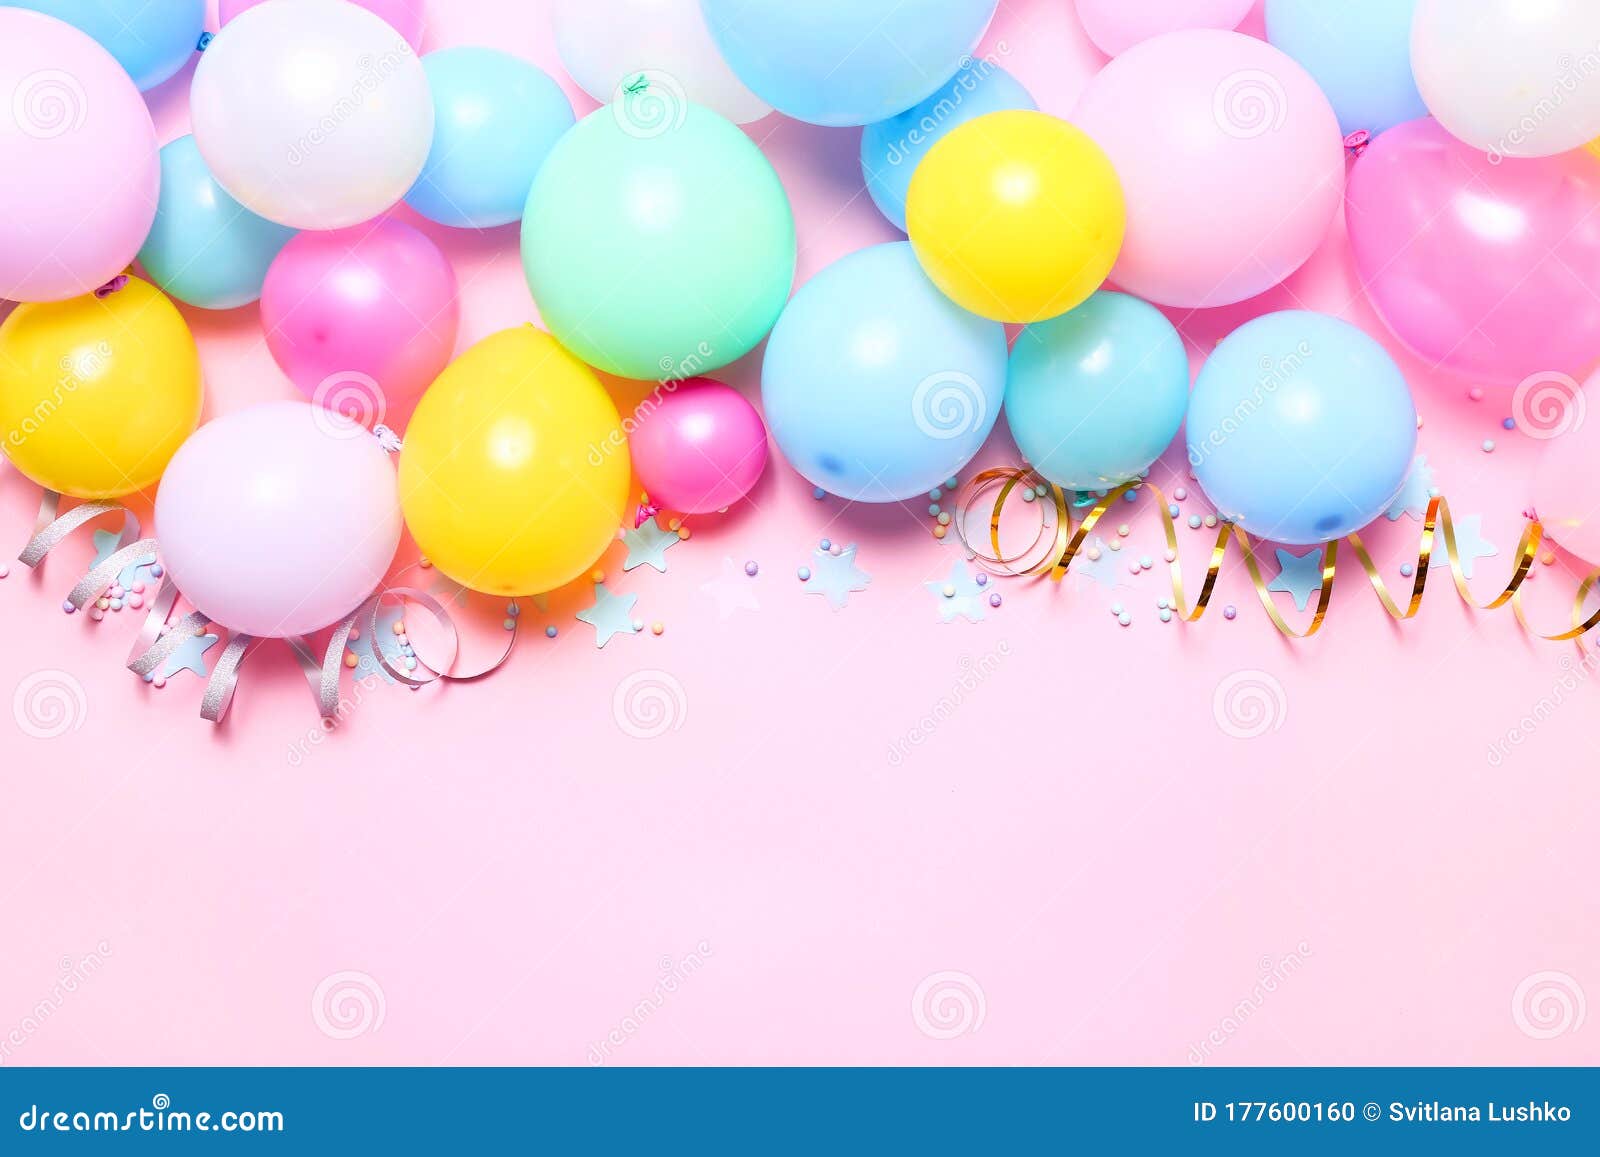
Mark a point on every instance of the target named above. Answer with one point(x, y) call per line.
point(279, 519)
point(1117, 25)
point(1016, 216)
point(1230, 159)
point(312, 113)
point(1502, 74)
point(875, 385)
point(205, 248)
point(1358, 52)
point(79, 152)
point(846, 62)
point(495, 118)
point(608, 44)
point(1486, 269)
point(151, 39)
point(96, 394)
point(1094, 396)
point(361, 319)
point(1301, 428)
point(404, 16)
point(699, 448)
point(657, 252)
point(515, 470)
point(892, 149)
point(1566, 487)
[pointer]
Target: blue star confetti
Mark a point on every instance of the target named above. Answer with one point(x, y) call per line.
point(1470, 545)
point(959, 594)
point(189, 656)
point(649, 544)
point(1299, 575)
point(836, 576)
point(1098, 563)
point(610, 615)
point(362, 648)
point(733, 590)
point(1414, 495)
point(105, 545)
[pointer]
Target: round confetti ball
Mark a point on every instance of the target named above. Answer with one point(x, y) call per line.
point(1124, 619)
point(939, 531)
point(68, 608)
point(1508, 423)
point(750, 568)
point(949, 590)
point(1230, 612)
point(1488, 445)
point(1180, 494)
point(509, 624)
point(350, 659)
point(818, 493)
point(994, 599)
point(550, 632)
point(597, 576)
point(657, 628)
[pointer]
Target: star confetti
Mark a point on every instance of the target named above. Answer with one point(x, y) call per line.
point(105, 545)
point(189, 656)
point(1414, 495)
point(648, 544)
point(384, 638)
point(1470, 544)
point(1299, 575)
point(836, 576)
point(1097, 562)
point(610, 615)
point(733, 590)
point(959, 594)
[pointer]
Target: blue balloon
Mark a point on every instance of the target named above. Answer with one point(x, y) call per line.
point(876, 386)
point(1358, 51)
point(1301, 428)
point(891, 149)
point(1094, 396)
point(205, 248)
point(495, 118)
point(845, 62)
point(151, 39)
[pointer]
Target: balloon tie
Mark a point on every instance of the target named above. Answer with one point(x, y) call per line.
point(110, 287)
point(1356, 143)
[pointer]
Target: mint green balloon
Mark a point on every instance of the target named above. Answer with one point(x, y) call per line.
point(657, 240)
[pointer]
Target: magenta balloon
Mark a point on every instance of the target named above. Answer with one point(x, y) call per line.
point(1566, 487)
point(279, 519)
point(79, 169)
point(1490, 270)
point(404, 16)
point(361, 319)
point(699, 448)
point(1230, 160)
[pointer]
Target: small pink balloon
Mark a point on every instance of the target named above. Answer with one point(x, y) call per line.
point(404, 16)
point(279, 519)
point(1230, 159)
point(79, 156)
point(1117, 25)
point(361, 319)
point(1485, 269)
point(700, 448)
point(1566, 487)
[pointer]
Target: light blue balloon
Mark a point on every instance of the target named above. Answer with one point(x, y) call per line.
point(151, 39)
point(845, 62)
point(876, 386)
point(1301, 428)
point(891, 149)
point(495, 118)
point(1358, 52)
point(1094, 396)
point(205, 248)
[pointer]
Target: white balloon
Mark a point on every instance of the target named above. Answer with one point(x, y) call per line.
point(312, 113)
point(607, 44)
point(1516, 78)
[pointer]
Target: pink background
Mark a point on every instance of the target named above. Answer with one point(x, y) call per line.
point(1107, 873)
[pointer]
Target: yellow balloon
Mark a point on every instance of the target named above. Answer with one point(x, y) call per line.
point(1594, 146)
point(97, 394)
point(515, 470)
point(1017, 216)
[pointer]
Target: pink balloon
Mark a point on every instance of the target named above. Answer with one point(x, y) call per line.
point(404, 16)
point(1230, 160)
point(1490, 270)
point(279, 519)
point(361, 319)
point(79, 158)
point(1117, 25)
point(1566, 487)
point(699, 448)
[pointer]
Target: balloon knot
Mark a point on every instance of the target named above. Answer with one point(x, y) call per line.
point(111, 286)
point(1357, 142)
point(387, 438)
point(205, 41)
point(645, 512)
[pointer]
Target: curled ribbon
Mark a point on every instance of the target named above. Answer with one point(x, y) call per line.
point(1065, 541)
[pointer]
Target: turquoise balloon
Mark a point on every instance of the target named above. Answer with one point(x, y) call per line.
point(495, 119)
point(1094, 396)
point(891, 149)
point(151, 39)
point(1301, 428)
point(658, 248)
point(1358, 52)
point(875, 385)
point(205, 248)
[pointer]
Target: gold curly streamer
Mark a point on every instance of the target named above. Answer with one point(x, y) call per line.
point(1067, 541)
